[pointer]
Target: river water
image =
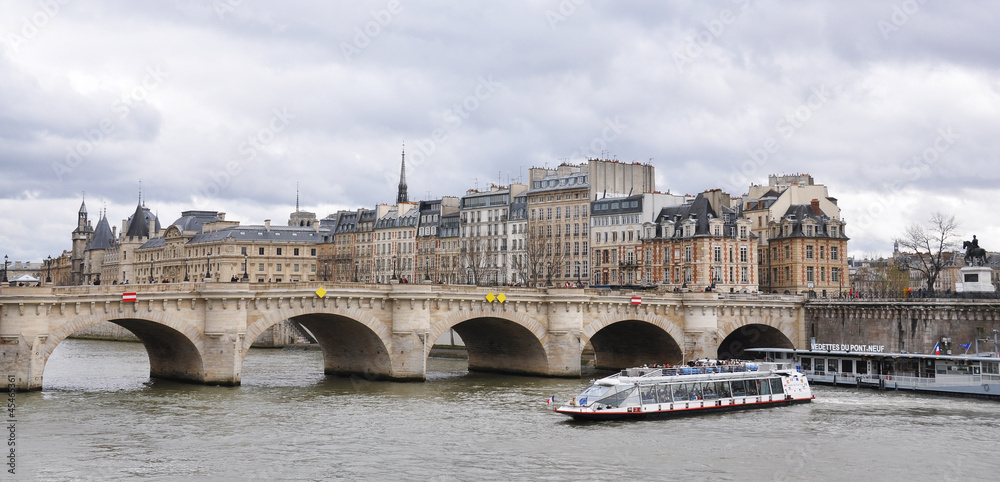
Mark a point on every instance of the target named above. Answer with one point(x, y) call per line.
point(99, 416)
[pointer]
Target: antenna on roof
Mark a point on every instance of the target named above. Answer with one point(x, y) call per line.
point(140, 192)
point(296, 196)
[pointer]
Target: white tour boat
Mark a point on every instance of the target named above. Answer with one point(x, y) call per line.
point(641, 393)
point(969, 375)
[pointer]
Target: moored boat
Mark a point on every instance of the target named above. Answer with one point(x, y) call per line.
point(968, 375)
point(661, 392)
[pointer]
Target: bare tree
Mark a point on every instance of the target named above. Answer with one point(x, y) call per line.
point(476, 255)
point(930, 243)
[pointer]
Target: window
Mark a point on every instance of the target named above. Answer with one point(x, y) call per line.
point(260, 267)
point(279, 251)
point(687, 274)
point(788, 252)
point(243, 250)
point(835, 274)
point(687, 254)
point(277, 267)
point(717, 254)
point(296, 252)
point(260, 251)
point(810, 275)
point(788, 275)
point(743, 255)
point(833, 252)
point(744, 275)
point(809, 252)
point(821, 252)
point(809, 230)
point(295, 267)
point(717, 274)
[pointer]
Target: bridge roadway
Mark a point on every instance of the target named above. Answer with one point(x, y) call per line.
point(201, 331)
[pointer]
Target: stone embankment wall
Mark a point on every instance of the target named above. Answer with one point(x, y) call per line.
point(904, 326)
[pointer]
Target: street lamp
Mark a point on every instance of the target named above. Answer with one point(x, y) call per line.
point(246, 264)
point(5, 262)
point(150, 269)
point(186, 278)
point(48, 274)
point(394, 268)
point(208, 266)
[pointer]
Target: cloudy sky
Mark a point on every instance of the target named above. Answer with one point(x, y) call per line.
point(228, 104)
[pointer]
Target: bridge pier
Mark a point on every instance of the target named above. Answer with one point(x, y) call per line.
point(223, 361)
point(22, 362)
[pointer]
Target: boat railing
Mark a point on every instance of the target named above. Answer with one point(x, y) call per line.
point(687, 370)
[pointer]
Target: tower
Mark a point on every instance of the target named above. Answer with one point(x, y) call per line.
point(81, 237)
point(401, 196)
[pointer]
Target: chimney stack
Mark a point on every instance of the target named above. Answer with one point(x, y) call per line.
point(267, 225)
point(815, 206)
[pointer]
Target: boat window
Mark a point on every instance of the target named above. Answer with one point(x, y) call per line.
point(615, 400)
point(663, 392)
point(708, 391)
point(694, 391)
point(764, 387)
point(806, 363)
point(648, 394)
point(630, 397)
point(753, 387)
point(776, 388)
point(739, 389)
point(595, 391)
point(680, 392)
point(862, 366)
point(831, 365)
point(847, 366)
point(723, 389)
point(991, 367)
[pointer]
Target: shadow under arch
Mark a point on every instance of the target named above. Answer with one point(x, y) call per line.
point(631, 343)
point(350, 347)
point(497, 344)
point(753, 335)
point(174, 347)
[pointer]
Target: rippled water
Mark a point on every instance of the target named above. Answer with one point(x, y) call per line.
point(100, 416)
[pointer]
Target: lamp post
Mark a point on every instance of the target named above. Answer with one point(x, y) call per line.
point(246, 265)
point(151, 269)
point(5, 262)
point(208, 266)
point(186, 278)
point(48, 274)
point(393, 268)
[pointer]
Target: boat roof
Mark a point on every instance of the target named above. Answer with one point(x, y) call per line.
point(841, 353)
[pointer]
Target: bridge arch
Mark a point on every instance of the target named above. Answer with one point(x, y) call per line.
point(174, 346)
point(762, 333)
point(353, 341)
point(637, 339)
point(506, 342)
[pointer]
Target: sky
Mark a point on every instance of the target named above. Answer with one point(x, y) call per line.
point(233, 105)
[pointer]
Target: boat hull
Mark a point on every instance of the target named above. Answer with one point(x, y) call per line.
point(606, 415)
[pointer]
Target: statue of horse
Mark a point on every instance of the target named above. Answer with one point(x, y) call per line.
point(974, 255)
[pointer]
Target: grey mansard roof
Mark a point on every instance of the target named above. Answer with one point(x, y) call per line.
point(305, 235)
point(194, 220)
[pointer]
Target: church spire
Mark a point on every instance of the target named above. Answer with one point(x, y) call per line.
point(401, 196)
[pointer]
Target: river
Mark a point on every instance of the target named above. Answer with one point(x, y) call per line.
point(99, 416)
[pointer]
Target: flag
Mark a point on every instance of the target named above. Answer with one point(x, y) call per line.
point(583, 401)
point(966, 345)
point(551, 400)
point(128, 297)
point(937, 348)
point(636, 300)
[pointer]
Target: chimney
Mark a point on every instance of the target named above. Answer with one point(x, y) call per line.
point(267, 225)
point(222, 216)
point(815, 206)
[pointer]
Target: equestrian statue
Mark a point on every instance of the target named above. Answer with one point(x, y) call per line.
point(974, 255)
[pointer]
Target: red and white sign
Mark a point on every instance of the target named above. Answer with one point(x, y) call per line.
point(636, 300)
point(128, 297)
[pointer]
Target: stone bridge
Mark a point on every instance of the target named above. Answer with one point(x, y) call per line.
point(200, 332)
